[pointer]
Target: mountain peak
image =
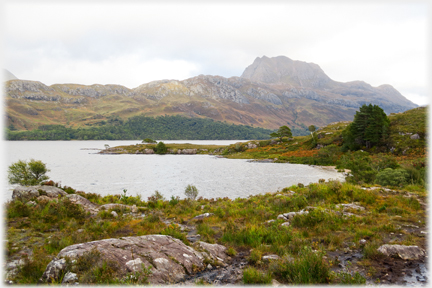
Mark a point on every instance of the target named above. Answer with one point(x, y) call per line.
point(283, 70)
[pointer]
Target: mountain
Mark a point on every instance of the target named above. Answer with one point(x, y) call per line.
point(270, 93)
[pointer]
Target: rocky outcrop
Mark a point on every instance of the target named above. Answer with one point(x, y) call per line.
point(169, 258)
point(402, 251)
point(27, 193)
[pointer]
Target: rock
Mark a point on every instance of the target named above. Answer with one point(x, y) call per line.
point(134, 209)
point(285, 224)
point(271, 257)
point(70, 278)
point(31, 203)
point(45, 198)
point(415, 137)
point(187, 151)
point(115, 206)
point(202, 216)
point(251, 146)
point(53, 270)
point(362, 241)
point(86, 204)
point(194, 238)
point(114, 214)
point(275, 283)
point(404, 252)
point(27, 193)
point(169, 258)
point(148, 151)
point(216, 251)
point(351, 206)
point(290, 215)
point(270, 221)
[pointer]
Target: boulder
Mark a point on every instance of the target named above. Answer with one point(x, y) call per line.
point(86, 204)
point(402, 251)
point(415, 137)
point(148, 151)
point(251, 146)
point(187, 151)
point(27, 193)
point(169, 259)
point(202, 216)
point(290, 215)
point(115, 206)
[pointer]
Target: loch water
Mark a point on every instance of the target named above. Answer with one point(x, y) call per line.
point(77, 164)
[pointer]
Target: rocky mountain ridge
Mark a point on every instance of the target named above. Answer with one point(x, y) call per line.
point(271, 92)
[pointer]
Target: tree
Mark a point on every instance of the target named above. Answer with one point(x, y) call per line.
point(148, 140)
point(369, 128)
point(283, 131)
point(161, 148)
point(312, 128)
point(191, 192)
point(27, 173)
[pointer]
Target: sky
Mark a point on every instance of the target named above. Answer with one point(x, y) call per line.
point(131, 43)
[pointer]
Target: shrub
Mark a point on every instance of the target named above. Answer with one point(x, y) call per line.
point(253, 276)
point(191, 192)
point(392, 177)
point(308, 268)
point(160, 148)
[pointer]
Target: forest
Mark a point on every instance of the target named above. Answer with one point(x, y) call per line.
point(140, 127)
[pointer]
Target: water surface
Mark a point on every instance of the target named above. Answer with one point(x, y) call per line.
point(77, 164)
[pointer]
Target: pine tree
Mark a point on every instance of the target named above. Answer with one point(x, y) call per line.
point(369, 128)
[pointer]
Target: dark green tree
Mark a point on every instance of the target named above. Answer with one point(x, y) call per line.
point(369, 128)
point(161, 148)
point(283, 131)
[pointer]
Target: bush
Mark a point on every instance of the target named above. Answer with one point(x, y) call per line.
point(308, 268)
point(253, 276)
point(27, 173)
point(191, 192)
point(161, 148)
point(392, 177)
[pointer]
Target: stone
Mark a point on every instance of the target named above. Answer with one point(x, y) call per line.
point(209, 267)
point(170, 260)
point(415, 137)
point(70, 278)
point(285, 224)
point(134, 209)
point(202, 216)
point(45, 198)
point(275, 283)
point(86, 204)
point(53, 270)
point(148, 151)
point(114, 213)
point(351, 206)
point(251, 146)
point(31, 203)
point(27, 193)
point(267, 258)
point(216, 251)
point(403, 251)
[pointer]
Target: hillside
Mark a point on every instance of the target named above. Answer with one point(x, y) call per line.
point(270, 93)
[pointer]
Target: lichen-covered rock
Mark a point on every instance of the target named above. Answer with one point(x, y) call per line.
point(415, 137)
point(27, 193)
point(268, 258)
point(404, 252)
point(170, 259)
point(53, 271)
point(86, 204)
point(70, 278)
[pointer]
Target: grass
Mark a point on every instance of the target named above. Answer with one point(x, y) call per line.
point(239, 224)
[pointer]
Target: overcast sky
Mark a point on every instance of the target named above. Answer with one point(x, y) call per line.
point(131, 43)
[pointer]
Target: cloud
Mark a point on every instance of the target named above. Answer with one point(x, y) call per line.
point(122, 42)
